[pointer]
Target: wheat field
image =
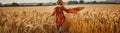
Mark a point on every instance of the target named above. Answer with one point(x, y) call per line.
point(94, 18)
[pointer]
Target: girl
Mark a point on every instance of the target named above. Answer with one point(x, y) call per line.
point(58, 10)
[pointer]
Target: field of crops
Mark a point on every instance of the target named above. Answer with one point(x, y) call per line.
point(94, 18)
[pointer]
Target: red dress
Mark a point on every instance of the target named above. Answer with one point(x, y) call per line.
point(60, 18)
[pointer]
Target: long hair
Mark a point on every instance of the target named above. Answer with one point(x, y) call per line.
point(59, 2)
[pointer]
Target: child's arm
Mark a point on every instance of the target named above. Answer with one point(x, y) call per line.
point(54, 11)
point(65, 9)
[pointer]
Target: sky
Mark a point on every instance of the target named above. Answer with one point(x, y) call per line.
point(36, 1)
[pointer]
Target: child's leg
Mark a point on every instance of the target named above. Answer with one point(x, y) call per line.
point(61, 23)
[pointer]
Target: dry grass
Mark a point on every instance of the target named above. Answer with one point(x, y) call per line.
point(37, 19)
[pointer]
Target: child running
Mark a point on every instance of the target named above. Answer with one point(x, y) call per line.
point(58, 11)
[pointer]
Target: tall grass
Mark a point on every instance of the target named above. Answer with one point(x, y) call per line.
point(92, 19)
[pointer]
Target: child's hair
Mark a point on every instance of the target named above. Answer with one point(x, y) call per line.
point(59, 2)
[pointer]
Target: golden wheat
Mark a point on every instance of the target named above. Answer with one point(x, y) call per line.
point(36, 19)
